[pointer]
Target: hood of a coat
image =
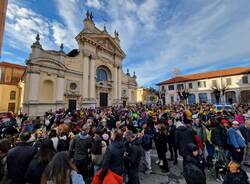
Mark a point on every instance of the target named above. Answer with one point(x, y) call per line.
point(137, 141)
point(181, 128)
point(84, 136)
point(118, 144)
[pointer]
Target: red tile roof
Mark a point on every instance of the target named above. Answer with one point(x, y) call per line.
point(207, 75)
point(11, 65)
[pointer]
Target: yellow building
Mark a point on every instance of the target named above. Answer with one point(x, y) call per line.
point(147, 96)
point(11, 87)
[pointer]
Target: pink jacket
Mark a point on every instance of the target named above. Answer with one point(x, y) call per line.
point(239, 118)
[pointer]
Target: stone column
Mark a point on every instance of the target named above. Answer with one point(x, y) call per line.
point(119, 76)
point(59, 89)
point(34, 87)
point(129, 96)
point(92, 79)
point(85, 80)
point(115, 86)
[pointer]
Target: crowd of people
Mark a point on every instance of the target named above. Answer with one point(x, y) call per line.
point(112, 145)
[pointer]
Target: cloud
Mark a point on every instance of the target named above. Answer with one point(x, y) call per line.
point(213, 33)
point(94, 4)
point(131, 19)
point(22, 25)
point(157, 35)
point(71, 15)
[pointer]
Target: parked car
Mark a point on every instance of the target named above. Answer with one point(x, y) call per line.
point(219, 108)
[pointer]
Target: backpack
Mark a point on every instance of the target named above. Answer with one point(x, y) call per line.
point(96, 148)
point(63, 145)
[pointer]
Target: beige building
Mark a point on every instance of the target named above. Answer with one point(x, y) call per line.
point(90, 76)
point(147, 96)
point(11, 87)
point(234, 84)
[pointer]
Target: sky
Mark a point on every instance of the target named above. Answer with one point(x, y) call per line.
point(156, 35)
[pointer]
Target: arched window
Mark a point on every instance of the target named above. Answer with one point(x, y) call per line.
point(12, 95)
point(101, 75)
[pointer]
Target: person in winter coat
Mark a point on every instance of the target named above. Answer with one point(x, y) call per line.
point(183, 136)
point(147, 138)
point(18, 159)
point(193, 175)
point(245, 131)
point(113, 158)
point(54, 138)
point(236, 142)
point(161, 140)
point(97, 151)
point(80, 149)
point(193, 157)
point(5, 146)
point(200, 129)
point(219, 134)
point(171, 141)
point(40, 161)
point(236, 174)
point(61, 170)
point(132, 157)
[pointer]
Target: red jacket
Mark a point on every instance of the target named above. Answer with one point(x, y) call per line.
point(110, 178)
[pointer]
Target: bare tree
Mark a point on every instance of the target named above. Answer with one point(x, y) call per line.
point(183, 95)
point(219, 92)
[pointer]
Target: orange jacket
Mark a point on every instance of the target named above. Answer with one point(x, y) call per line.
point(110, 178)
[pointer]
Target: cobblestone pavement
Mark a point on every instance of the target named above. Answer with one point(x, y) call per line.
point(174, 176)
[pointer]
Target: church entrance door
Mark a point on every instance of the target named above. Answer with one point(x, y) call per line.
point(72, 105)
point(103, 99)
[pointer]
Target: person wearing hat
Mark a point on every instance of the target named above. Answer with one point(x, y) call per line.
point(236, 142)
point(79, 151)
point(193, 157)
point(245, 131)
point(236, 174)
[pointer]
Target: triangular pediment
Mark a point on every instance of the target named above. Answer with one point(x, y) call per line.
point(105, 41)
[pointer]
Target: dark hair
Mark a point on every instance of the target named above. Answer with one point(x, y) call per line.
point(58, 170)
point(52, 133)
point(118, 134)
point(25, 136)
point(193, 175)
point(46, 151)
point(5, 145)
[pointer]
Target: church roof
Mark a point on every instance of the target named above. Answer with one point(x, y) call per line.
point(207, 75)
point(73, 53)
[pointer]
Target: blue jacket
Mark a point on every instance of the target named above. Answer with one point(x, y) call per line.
point(234, 139)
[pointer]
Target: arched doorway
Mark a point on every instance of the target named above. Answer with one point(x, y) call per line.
point(230, 97)
point(245, 96)
point(191, 99)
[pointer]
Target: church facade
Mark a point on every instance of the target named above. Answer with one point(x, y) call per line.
point(90, 76)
